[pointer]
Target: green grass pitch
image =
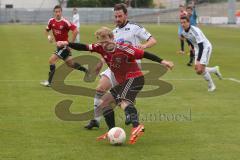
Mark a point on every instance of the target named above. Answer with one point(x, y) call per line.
point(197, 125)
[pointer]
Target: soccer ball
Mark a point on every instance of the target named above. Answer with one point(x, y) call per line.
point(116, 136)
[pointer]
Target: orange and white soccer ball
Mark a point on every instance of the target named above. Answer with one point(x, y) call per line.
point(116, 136)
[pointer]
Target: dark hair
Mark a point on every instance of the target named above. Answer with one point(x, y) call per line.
point(57, 7)
point(185, 17)
point(189, 7)
point(121, 6)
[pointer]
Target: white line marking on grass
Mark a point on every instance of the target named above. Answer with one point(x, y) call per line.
point(182, 79)
point(234, 80)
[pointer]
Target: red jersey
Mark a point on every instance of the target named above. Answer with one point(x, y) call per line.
point(122, 61)
point(60, 28)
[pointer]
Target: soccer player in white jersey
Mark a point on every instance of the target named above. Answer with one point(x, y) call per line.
point(76, 21)
point(203, 50)
point(125, 32)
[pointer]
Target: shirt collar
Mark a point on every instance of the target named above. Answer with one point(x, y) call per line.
point(123, 25)
point(188, 28)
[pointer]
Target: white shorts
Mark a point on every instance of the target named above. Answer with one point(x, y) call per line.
point(108, 73)
point(207, 51)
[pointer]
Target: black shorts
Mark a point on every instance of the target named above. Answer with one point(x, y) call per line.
point(63, 53)
point(128, 90)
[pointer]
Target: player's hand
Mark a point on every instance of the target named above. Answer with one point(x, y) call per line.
point(141, 46)
point(50, 39)
point(198, 66)
point(168, 64)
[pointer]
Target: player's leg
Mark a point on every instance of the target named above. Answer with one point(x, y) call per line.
point(126, 95)
point(69, 61)
point(52, 61)
point(78, 38)
point(216, 69)
point(191, 55)
point(106, 107)
point(104, 85)
point(201, 68)
point(180, 29)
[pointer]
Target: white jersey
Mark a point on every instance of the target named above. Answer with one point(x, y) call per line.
point(76, 20)
point(195, 36)
point(131, 33)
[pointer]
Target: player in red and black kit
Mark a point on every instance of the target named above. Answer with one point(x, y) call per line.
point(60, 28)
point(121, 59)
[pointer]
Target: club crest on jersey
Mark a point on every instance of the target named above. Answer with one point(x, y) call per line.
point(61, 27)
point(118, 60)
point(127, 29)
point(121, 40)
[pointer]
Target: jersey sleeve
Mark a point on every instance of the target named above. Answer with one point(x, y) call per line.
point(142, 33)
point(95, 48)
point(49, 25)
point(72, 27)
point(138, 53)
point(69, 25)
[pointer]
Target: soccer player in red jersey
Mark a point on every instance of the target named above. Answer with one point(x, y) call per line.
point(121, 59)
point(60, 28)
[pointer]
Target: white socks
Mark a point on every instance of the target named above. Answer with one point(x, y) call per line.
point(97, 111)
point(208, 78)
point(211, 69)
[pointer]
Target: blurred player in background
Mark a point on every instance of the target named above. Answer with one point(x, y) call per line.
point(60, 28)
point(128, 33)
point(121, 60)
point(191, 13)
point(76, 22)
point(182, 13)
point(203, 50)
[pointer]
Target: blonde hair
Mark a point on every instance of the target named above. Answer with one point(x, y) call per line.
point(104, 34)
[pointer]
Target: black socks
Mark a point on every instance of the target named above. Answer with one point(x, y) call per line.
point(191, 56)
point(131, 115)
point(51, 73)
point(108, 114)
point(79, 67)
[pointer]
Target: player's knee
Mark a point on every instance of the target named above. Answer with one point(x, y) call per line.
point(104, 85)
point(70, 64)
point(52, 60)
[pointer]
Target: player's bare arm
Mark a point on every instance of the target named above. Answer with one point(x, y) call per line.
point(74, 34)
point(150, 42)
point(49, 36)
